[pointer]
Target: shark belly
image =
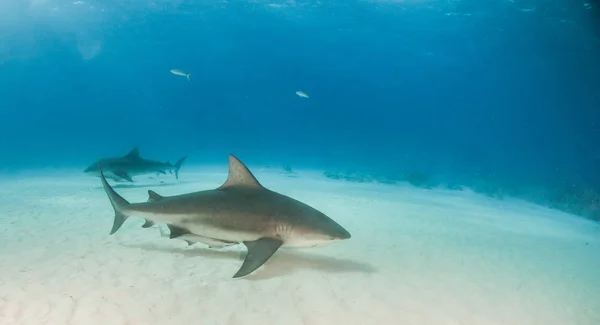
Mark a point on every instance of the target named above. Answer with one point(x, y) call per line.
point(241, 224)
point(219, 232)
point(211, 242)
point(203, 226)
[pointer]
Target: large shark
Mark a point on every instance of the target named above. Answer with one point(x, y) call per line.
point(132, 164)
point(239, 211)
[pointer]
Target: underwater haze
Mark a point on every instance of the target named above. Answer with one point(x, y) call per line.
point(508, 88)
point(458, 141)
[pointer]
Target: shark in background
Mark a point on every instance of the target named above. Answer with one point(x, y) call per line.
point(239, 211)
point(132, 164)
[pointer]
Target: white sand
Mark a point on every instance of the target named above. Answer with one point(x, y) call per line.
point(416, 257)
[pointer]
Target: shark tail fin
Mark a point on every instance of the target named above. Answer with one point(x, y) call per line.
point(119, 204)
point(177, 166)
point(188, 76)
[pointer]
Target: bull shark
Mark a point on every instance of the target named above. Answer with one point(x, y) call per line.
point(241, 210)
point(132, 164)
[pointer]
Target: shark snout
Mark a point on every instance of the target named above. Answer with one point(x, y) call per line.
point(331, 230)
point(340, 233)
point(335, 231)
point(343, 234)
point(93, 169)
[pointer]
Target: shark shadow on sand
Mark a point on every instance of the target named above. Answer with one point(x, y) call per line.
point(286, 262)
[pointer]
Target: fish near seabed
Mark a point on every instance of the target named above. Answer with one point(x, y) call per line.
point(239, 211)
point(182, 73)
point(132, 164)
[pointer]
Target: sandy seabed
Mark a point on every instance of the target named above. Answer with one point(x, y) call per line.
point(415, 257)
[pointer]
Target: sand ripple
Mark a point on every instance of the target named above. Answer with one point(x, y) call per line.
point(416, 257)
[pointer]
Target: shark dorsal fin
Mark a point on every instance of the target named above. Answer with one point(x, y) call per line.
point(134, 154)
point(239, 176)
point(153, 196)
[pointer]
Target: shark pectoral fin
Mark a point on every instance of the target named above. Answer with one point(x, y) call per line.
point(153, 196)
point(148, 224)
point(259, 251)
point(177, 231)
point(123, 175)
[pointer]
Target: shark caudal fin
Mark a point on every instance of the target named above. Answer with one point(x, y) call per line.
point(188, 76)
point(177, 166)
point(117, 201)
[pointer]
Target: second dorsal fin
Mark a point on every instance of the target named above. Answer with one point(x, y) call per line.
point(153, 196)
point(134, 154)
point(239, 176)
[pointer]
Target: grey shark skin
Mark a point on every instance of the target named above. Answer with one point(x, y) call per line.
point(239, 211)
point(132, 164)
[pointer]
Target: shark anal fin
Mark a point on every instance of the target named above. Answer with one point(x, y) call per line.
point(177, 231)
point(123, 175)
point(259, 251)
point(148, 224)
point(153, 196)
point(239, 176)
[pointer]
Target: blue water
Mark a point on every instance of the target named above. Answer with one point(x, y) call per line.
point(503, 96)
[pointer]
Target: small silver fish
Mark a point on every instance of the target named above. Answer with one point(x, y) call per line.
point(179, 72)
point(302, 94)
